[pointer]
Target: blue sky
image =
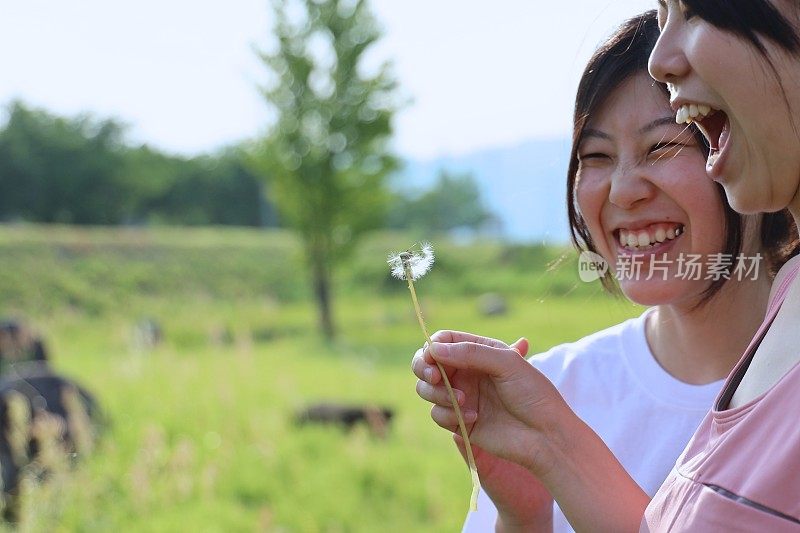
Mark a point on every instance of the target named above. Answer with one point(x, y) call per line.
point(183, 75)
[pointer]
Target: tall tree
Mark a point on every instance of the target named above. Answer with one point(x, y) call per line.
point(325, 158)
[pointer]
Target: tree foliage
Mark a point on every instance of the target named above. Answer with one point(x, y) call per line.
point(60, 170)
point(218, 189)
point(453, 203)
point(81, 170)
point(325, 157)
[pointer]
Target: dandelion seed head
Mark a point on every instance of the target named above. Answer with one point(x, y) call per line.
point(418, 263)
point(396, 265)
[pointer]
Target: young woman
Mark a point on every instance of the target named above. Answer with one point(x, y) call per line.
point(638, 181)
point(741, 61)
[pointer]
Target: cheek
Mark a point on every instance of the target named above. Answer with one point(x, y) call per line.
point(722, 73)
point(591, 195)
point(688, 186)
point(589, 198)
point(707, 217)
point(780, 182)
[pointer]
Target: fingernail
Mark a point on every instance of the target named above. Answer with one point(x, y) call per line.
point(459, 397)
point(519, 341)
point(470, 416)
point(428, 373)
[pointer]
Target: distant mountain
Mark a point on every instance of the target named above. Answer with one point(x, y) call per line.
point(524, 185)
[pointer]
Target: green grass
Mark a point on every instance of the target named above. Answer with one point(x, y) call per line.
point(201, 434)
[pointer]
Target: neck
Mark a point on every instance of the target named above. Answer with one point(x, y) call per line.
point(794, 210)
point(794, 207)
point(702, 345)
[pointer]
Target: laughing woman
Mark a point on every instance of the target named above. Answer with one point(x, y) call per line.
point(637, 195)
point(740, 61)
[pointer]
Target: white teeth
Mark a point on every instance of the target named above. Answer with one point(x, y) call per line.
point(644, 239)
point(687, 113)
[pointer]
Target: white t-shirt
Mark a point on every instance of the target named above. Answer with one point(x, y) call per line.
point(613, 383)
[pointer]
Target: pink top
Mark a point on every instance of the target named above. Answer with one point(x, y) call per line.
point(741, 470)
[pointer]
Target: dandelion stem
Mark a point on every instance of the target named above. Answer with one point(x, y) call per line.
point(473, 469)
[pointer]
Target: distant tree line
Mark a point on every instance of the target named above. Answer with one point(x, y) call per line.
point(454, 202)
point(82, 170)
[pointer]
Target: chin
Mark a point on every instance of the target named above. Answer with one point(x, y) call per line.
point(648, 294)
point(743, 201)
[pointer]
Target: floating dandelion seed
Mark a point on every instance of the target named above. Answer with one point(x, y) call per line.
point(410, 266)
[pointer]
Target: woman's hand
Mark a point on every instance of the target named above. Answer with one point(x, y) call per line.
point(521, 500)
point(514, 413)
point(511, 410)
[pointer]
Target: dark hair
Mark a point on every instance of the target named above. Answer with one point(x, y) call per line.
point(779, 239)
point(748, 19)
point(624, 55)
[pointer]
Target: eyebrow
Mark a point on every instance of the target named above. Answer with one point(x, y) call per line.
point(647, 128)
point(589, 132)
point(657, 123)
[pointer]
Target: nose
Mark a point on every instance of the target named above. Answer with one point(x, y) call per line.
point(668, 62)
point(630, 187)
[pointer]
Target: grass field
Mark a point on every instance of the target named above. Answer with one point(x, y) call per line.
point(201, 436)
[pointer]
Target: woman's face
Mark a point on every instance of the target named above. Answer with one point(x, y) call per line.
point(642, 190)
point(749, 112)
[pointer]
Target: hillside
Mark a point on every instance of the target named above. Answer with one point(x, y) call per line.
point(524, 185)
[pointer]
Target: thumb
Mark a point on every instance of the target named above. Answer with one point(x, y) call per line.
point(521, 346)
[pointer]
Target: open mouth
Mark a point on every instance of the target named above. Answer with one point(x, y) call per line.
point(713, 124)
point(649, 238)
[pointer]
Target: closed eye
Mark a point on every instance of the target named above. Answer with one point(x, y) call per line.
point(593, 155)
point(667, 146)
point(664, 151)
